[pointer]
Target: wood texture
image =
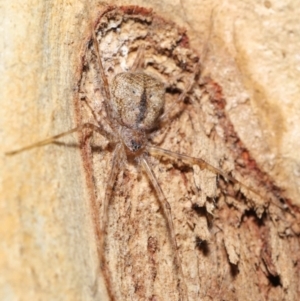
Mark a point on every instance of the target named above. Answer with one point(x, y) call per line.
point(48, 247)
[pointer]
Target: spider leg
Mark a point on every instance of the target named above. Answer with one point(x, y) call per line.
point(168, 214)
point(115, 168)
point(106, 127)
point(54, 138)
point(157, 151)
point(166, 115)
point(100, 219)
point(106, 90)
point(87, 102)
point(138, 63)
point(101, 69)
point(154, 150)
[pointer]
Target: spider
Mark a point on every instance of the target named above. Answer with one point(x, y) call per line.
point(134, 107)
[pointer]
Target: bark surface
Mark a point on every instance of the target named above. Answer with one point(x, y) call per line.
point(241, 116)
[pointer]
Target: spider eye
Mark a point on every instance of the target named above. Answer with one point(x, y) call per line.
point(135, 146)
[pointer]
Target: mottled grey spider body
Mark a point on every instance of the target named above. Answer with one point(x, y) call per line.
point(137, 100)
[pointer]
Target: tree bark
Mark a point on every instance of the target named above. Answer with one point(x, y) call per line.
point(234, 244)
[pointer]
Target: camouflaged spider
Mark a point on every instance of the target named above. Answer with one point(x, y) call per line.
point(134, 107)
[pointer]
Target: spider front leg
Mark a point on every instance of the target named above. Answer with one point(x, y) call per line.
point(168, 214)
point(101, 69)
point(52, 139)
point(138, 64)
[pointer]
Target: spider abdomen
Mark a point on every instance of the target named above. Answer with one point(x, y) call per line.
point(137, 100)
